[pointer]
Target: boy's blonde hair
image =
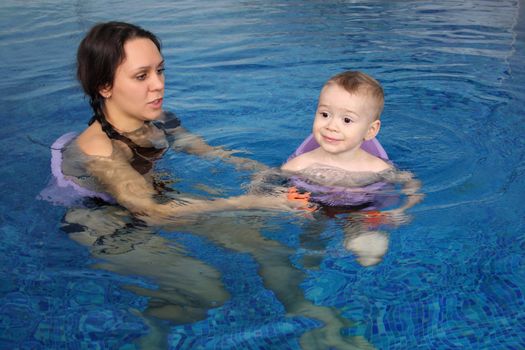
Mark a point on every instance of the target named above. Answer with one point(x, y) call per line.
point(355, 81)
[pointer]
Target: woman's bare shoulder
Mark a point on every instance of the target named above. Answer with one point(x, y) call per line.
point(94, 142)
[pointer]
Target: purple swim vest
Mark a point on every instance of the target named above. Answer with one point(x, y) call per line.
point(341, 196)
point(61, 190)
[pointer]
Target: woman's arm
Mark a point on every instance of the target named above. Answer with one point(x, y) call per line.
point(134, 192)
point(188, 142)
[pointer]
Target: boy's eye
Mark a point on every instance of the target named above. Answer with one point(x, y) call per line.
point(347, 120)
point(324, 114)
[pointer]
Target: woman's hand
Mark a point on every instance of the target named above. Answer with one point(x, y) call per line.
point(280, 202)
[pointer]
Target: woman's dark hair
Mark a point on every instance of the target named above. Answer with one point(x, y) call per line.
point(100, 53)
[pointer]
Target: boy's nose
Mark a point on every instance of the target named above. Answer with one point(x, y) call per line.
point(332, 125)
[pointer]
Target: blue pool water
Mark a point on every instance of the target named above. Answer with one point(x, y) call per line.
point(246, 74)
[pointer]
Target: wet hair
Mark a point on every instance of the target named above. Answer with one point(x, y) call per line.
point(355, 82)
point(100, 53)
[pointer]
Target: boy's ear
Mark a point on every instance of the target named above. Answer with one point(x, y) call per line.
point(373, 130)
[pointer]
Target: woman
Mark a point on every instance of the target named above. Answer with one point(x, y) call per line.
point(121, 70)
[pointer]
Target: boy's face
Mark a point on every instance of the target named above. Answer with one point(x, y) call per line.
point(343, 120)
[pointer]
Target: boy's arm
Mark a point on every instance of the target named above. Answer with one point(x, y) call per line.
point(411, 187)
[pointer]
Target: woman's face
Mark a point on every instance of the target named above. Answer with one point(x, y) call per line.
point(138, 88)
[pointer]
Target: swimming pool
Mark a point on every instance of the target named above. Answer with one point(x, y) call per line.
point(246, 75)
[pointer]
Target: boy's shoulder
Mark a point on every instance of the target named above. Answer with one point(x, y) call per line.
point(365, 163)
point(300, 162)
point(376, 164)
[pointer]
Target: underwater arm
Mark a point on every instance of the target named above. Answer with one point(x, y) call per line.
point(413, 197)
point(411, 188)
point(188, 142)
point(134, 192)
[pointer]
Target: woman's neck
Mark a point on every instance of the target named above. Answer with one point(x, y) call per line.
point(121, 123)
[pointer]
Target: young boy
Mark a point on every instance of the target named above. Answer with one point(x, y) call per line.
point(341, 173)
point(348, 112)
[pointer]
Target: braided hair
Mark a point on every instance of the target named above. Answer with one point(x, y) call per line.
point(98, 56)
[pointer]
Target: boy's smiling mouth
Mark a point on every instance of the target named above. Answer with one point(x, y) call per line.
point(330, 139)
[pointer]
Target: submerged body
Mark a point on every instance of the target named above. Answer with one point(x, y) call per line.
point(76, 165)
